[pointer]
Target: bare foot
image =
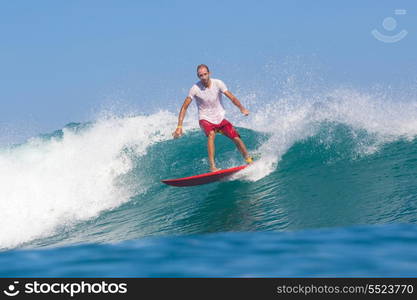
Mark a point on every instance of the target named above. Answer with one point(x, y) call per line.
point(214, 169)
point(249, 160)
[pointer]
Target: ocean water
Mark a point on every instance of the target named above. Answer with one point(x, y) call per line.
point(333, 192)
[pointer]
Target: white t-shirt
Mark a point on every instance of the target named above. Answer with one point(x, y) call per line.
point(209, 100)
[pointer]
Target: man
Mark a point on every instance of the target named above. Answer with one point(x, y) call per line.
point(208, 95)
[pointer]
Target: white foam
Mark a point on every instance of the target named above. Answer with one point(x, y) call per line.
point(293, 118)
point(48, 184)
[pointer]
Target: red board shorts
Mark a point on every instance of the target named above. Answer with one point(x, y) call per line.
point(225, 127)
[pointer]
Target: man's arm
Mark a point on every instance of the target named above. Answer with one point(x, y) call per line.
point(236, 102)
point(178, 132)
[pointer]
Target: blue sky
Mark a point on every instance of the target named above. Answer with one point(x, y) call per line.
point(63, 61)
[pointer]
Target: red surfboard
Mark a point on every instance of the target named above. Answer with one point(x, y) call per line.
point(203, 178)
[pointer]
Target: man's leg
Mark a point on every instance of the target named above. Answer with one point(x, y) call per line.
point(242, 148)
point(211, 149)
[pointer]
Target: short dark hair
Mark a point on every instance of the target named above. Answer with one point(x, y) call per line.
point(202, 66)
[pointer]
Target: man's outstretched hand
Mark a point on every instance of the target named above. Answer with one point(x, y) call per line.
point(244, 111)
point(177, 133)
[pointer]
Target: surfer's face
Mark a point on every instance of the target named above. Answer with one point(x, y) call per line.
point(204, 75)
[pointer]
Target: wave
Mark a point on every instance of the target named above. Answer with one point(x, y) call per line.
point(337, 159)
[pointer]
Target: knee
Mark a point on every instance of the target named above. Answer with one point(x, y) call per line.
point(211, 134)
